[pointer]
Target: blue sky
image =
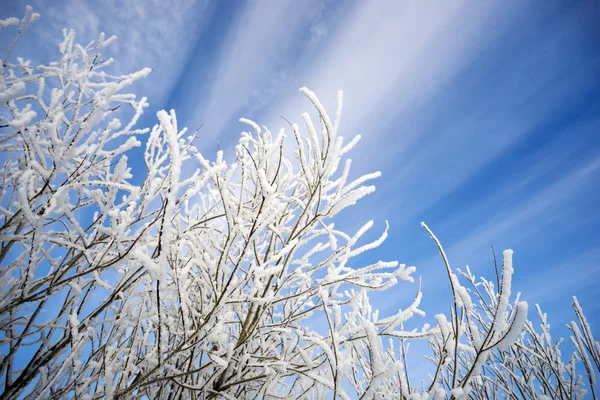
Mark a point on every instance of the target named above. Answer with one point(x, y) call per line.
point(484, 117)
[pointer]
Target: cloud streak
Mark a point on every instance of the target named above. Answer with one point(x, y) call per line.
point(253, 65)
point(151, 33)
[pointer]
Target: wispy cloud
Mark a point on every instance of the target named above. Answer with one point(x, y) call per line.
point(531, 215)
point(153, 33)
point(578, 273)
point(255, 60)
point(396, 55)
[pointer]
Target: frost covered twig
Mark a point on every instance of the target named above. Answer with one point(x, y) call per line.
point(177, 286)
point(219, 283)
point(491, 350)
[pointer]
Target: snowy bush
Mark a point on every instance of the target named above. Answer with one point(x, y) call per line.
point(204, 286)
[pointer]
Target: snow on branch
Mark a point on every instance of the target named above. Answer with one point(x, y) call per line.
point(229, 281)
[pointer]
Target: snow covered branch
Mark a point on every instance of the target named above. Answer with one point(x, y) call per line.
point(123, 277)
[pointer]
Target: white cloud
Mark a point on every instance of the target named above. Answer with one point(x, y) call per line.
point(395, 62)
point(253, 61)
point(525, 220)
point(565, 278)
point(399, 53)
point(150, 33)
point(518, 228)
